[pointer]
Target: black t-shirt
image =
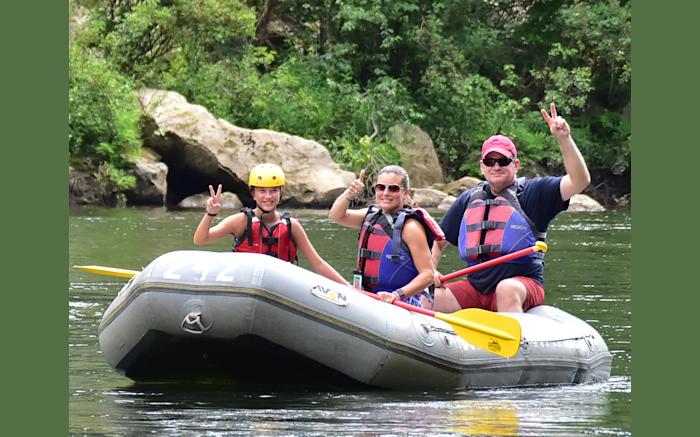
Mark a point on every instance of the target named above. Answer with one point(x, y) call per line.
point(540, 199)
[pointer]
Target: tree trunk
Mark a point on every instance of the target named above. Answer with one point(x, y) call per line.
point(263, 21)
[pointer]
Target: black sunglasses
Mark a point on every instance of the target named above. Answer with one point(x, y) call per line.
point(490, 162)
point(393, 188)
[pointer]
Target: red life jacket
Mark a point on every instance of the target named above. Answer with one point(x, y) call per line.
point(275, 241)
point(383, 258)
point(496, 225)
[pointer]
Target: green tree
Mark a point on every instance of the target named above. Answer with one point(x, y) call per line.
point(104, 129)
point(343, 73)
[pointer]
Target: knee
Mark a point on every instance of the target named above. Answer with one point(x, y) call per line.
point(510, 295)
point(445, 301)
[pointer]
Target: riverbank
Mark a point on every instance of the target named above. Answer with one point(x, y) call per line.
point(84, 190)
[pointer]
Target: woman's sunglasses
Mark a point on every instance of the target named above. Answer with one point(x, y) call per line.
point(393, 188)
point(490, 162)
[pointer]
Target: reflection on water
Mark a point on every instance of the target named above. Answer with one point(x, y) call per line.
point(495, 418)
point(244, 410)
point(587, 274)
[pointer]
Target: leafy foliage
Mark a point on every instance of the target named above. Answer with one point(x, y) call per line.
point(103, 118)
point(344, 73)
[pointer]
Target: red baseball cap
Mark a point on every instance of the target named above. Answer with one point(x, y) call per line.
point(501, 144)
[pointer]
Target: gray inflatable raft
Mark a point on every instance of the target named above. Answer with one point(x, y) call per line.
point(197, 314)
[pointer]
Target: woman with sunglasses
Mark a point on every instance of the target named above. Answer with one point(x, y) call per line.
point(263, 229)
point(505, 214)
point(394, 244)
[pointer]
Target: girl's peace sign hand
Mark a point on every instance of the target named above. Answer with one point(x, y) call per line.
point(557, 125)
point(214, 202)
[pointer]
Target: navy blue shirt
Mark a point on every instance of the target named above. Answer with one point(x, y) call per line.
point(540, 199)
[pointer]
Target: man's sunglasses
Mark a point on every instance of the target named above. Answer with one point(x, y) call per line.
point(393, 188)
point(490, 162)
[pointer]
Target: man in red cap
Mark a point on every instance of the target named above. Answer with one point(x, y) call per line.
point(502, 215)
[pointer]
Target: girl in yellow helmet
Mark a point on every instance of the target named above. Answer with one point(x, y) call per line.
point(263, 229)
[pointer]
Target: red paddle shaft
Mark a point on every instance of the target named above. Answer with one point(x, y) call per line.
point(539, 246)
point(402, 304)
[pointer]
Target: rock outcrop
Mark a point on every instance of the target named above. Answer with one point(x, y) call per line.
point(151, 186)
point(200, 149)
point(583, 202)
point(83, 188)
point(418, 155)
point(454, 188)
point(186, 149)
point(428, 197)
point(229, 202)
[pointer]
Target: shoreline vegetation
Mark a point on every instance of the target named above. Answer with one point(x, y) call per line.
point(345, 74)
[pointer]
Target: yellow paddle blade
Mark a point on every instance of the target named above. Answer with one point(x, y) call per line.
point(487, 330)
point(109, 271)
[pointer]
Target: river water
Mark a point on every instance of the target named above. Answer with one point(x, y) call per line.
point(588, 274)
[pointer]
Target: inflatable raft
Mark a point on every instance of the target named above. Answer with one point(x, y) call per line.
point(197, 314)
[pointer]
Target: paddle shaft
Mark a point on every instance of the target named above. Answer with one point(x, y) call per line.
point(540, 246)
point(109, 271)
point(402, 304)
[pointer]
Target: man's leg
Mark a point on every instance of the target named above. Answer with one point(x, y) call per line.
point(518, 294)
point(461, 294)
point(510, 295)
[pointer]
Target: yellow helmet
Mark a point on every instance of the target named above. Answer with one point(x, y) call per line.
point(266, 175)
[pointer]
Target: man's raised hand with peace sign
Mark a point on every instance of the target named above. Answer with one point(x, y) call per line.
point(577, 176)
point(557, 125)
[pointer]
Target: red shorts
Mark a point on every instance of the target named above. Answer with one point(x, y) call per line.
point(468, 297)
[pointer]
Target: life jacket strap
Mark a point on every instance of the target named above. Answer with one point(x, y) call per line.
point(270, 240)
point(370, 281)
point(286, 217)
point(484, 249)
point(371, 229)
point(489, 224)
point(511, 194)
point(396, 236)
point(248, 230)
point(370, 219)
point(248, 233)
point(489, 202)
point(369, 254)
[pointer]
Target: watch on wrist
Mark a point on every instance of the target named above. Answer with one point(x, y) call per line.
point(401, 292)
